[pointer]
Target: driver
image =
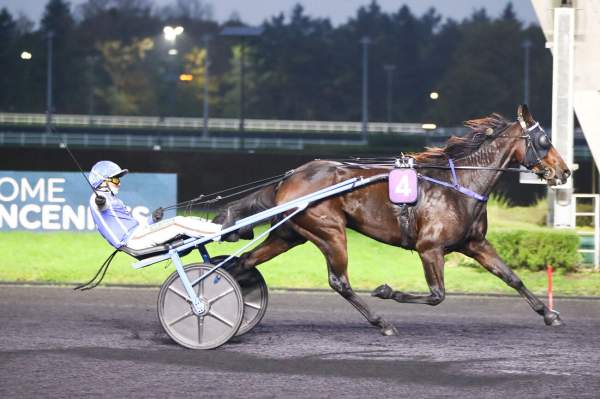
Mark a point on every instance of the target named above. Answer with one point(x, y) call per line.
point(116, 224)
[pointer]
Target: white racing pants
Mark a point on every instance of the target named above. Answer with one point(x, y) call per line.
point(165, 230)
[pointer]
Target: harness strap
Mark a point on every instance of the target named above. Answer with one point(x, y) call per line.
point(455, 184)
point(91, 284)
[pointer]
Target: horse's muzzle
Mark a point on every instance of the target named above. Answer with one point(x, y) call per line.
point(555, 178)
point(549, 174)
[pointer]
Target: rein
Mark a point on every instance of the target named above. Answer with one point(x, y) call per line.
point(217, 196)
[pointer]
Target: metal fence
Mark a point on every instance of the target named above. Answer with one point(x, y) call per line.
point(153, 122)
point(171, 142)
point(185, 133)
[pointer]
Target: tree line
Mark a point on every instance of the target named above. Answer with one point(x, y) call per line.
point(111, 57)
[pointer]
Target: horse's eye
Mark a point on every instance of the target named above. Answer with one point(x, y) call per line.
point(544, 141)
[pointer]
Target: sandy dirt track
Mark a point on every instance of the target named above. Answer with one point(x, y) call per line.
point(55, 342)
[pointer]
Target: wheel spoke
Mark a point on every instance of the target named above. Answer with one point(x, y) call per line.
point(179, 293)
point(252, 305)
point(221, 295)
point(200, 285)
point(217, 316)
point(200, 329)
point(182, 317)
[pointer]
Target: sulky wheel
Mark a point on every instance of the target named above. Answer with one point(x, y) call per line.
point(222, 297)
point(254, 291)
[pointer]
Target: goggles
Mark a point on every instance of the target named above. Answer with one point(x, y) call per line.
point(114, 180)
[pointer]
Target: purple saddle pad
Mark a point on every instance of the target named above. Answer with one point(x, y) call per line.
point(402, 186)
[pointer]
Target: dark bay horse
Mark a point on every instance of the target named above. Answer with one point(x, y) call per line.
point(442, 220)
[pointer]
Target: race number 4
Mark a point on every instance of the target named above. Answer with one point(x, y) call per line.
point(402, 186)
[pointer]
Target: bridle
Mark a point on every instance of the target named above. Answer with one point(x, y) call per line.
point(538, 144)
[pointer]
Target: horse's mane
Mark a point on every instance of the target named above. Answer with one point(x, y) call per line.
point(459, 147)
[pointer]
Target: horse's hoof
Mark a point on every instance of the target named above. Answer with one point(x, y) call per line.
point(383, 291)
point(552, 318)
point(389, 331)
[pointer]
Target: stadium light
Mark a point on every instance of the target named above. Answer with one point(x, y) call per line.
point(434, 95)
point(26, 55)
point(171, 33)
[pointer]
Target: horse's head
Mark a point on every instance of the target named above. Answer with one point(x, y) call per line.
point(536, 152)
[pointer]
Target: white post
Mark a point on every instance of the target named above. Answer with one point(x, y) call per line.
point(563, 48)
point(597, 233)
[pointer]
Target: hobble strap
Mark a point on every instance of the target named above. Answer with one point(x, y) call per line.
point(103, 268)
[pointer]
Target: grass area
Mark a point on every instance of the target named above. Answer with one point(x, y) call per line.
point(64, 257)
point(74, 257)
point(503, 216)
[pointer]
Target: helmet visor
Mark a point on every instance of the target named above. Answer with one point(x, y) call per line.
point(120, 173)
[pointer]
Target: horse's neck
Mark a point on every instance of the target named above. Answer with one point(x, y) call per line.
point(492, 155)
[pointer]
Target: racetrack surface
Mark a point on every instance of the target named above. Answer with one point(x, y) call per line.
point(55, 342)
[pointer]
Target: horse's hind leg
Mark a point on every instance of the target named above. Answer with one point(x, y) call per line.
point(278, 242)
point(331, 240)
point(484, 253)
point(433, 265)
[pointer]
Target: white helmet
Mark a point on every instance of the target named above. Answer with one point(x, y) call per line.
point(105, 170)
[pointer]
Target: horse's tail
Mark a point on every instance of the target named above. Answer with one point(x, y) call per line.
point(258, 201)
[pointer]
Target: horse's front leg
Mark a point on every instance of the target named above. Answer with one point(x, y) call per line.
point(484, 253)
point(433, 264)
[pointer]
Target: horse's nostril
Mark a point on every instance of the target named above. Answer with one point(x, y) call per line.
point(549, 174)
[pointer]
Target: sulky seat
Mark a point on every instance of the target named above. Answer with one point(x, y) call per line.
point(161, 249)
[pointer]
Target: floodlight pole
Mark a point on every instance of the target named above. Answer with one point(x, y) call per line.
point(389, 69)
point(206, 39)
point(365, 41)
point(527, 47)
point(242, 85)
point(242, 32)
point(49, 104)
point(91, 63)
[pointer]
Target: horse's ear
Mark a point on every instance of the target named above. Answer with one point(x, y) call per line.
point(524, 116)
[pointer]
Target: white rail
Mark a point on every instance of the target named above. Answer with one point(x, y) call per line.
point(164, 141)
point(596, 233)
point(153, 122)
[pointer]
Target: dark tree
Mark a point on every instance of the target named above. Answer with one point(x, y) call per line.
point(111, 57)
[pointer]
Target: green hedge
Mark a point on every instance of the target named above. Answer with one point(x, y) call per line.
point(534, 249)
